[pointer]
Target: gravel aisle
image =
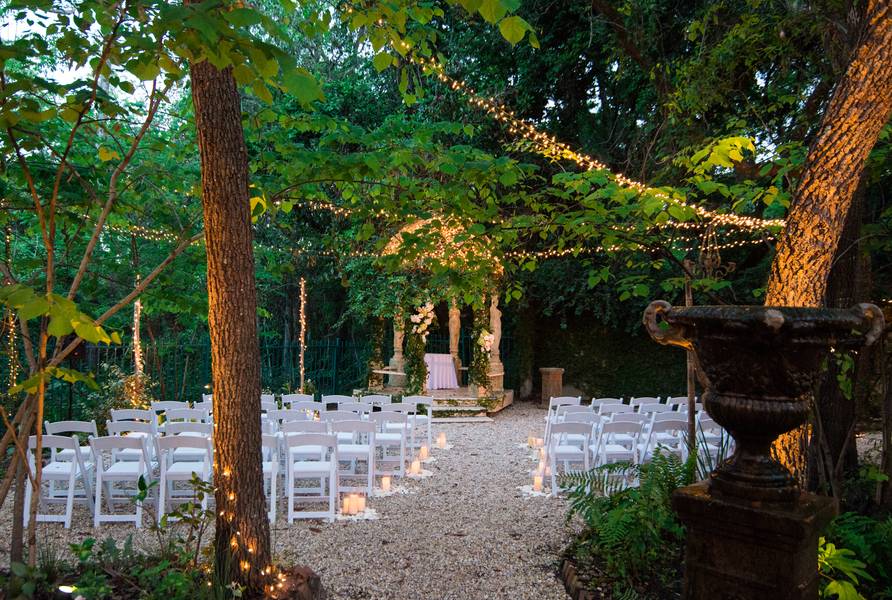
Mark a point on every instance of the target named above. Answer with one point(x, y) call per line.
point(464, 533)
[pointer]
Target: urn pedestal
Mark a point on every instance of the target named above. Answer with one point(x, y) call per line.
point(751, 533)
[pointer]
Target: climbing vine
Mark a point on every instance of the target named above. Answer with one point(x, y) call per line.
point(478, 370)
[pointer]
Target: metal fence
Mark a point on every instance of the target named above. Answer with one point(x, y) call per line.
point(183, 371)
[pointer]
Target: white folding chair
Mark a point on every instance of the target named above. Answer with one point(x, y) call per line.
point(188, 429)
point(566, 449)
point(66, 428)
point(376, 399)
point(268, 398)
point(72, 471)
point(206, 405)
point(270, 454)
point(179, 456)
point(630, 417)
point(280, 416)
point(551, 417)
point(710, 434)
point(298, 452)
point(108, 450)
point(392, 429)
point(324, 470)
point(134, 414)
point(359, 446)
point(651, 408)
point(421, 419)
point(617, 442)
point(310, 408)
point(288, 400)
point(136, 430)
point(162, 406)
point(355, 407)
point(668, 435)
point(599, 401)
point(194, 415)
point(336, 399)
point(639, 400)
point(677, 401)
point(268, 406)
point(611, 409)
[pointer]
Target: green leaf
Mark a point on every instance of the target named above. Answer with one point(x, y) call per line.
point(492, 10)
point(34, 308)
point(302, 85)
point(106, 155)
point(513, 28)
point(382, 61)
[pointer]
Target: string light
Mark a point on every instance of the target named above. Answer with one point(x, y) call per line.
point(566, 252)
point(137, 343)
point(551, 147)
point(303, 330)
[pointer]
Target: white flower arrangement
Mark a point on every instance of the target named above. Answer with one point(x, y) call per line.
point(422, 320)
point(485, 341)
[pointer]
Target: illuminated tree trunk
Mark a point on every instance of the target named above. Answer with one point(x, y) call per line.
point(242, 530)
point(856, 114)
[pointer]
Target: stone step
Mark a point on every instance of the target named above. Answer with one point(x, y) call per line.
point(458, 408)
point(462, 420)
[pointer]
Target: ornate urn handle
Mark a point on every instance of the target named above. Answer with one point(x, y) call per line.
point(873, 315)
point(659, 327)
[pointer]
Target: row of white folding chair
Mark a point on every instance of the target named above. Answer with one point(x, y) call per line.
point(113, 462)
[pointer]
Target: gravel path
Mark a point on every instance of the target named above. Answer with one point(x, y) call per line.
point(464, 533)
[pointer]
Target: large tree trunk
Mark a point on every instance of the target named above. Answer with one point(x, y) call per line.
point(857, 112)
point(242, 531)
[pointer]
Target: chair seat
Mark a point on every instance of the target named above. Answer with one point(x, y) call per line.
point(188, 454)
point(311, 450)
point(129, 454)
point(124, 469)
point(353, 450)
point(393, 427)
point(388, 438)
point(344, 436)
point(185, 468)
point(59, 469)
point(303, 467)
point(68, 454)
point(560, 452)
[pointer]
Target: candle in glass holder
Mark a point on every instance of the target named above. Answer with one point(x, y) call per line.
point(347, 506)
point(423, 452)
point(537, 482)
point(538, 442)
point(542, 465)
point(415, 469)
point(441, 440)
point(541, 453)
point(531, 440)
point(359, 504)
point(385, 483)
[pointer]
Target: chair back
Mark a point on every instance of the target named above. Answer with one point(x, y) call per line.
point(62, 427)
point(303, 427)
point(609, 409)
point(177, 428)
point(332, 416)
point(288, 400)
point(132, 414)
point(121, 428)
point(195, 415)
point(635, 401)
point(327, 441)
point(355, 407)
point(337, 399)
point(285, 415)
point(650, 408)
point(376, 399)
point(629, 417)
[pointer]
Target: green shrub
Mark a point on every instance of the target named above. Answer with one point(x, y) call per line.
point(632, 537)
point(870, 542)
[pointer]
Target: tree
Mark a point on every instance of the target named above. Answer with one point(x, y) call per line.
point(242, 529)
point(858, 110)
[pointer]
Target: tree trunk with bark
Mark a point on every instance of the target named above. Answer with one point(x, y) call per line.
point(856, 114)
point(242, 529)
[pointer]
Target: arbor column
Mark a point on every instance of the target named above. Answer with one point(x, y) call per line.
point(398, 362)
point(496, 368)
point(454, 333)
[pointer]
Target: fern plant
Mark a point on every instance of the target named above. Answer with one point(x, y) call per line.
point(870, 540)
point(631, 531)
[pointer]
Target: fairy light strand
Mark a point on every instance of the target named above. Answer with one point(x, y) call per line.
point(551, 147)
point(303, 330)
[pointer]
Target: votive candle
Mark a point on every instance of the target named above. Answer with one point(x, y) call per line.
point(385, 483)
point(441, 440)
point(415, 469)
point(537, 482)
point(423, 452)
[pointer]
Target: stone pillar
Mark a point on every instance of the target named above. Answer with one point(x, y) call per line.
point(397, 363)
point(454, 333)
point(552, 383)
point(741, 550)
point(496, 368)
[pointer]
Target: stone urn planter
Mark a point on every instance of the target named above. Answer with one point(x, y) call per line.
point(759, 364)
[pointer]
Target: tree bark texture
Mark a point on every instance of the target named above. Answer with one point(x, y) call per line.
point(857, 112)
point(242, 529)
